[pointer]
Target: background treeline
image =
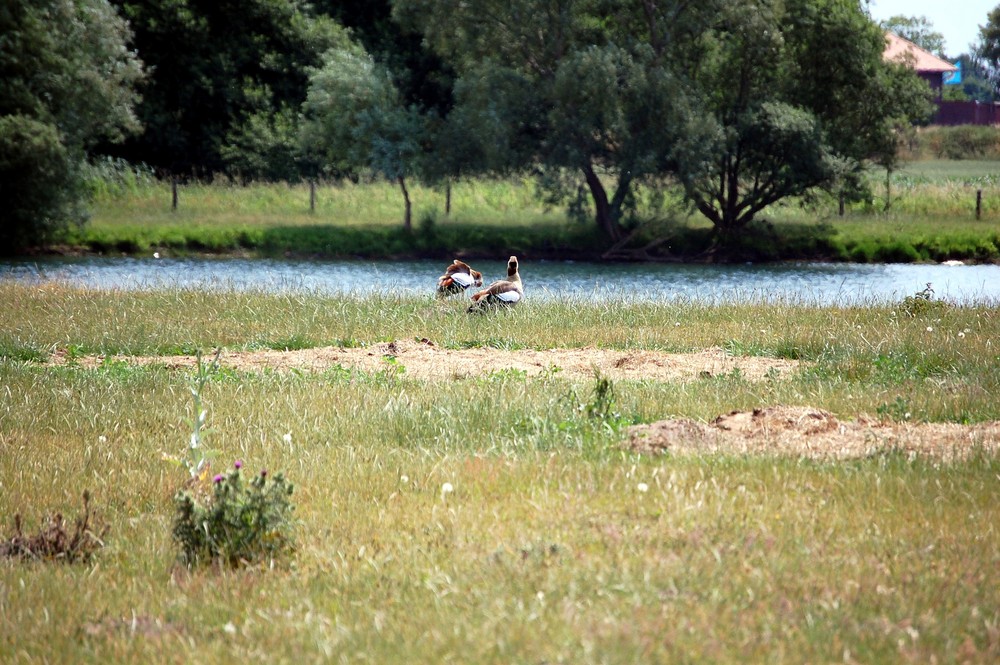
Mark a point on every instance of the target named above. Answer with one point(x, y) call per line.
point(732, 106)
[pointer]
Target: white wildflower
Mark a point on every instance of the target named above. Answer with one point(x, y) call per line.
point(404, 479)
point(287, 438)
point(102, 439)
point(446, 489)
point(642, 487)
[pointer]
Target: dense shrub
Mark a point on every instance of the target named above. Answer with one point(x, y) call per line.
point(958, 142)
point(242, 523)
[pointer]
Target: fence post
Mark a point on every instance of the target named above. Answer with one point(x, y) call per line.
point(841, 205)
point(979, 203)
point(173, 194)
point(447, 199)
point(312, 196)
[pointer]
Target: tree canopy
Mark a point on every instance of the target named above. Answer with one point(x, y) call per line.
point(736, 103)
point(67, 81)
point(355, 119)
point(917, 29)
point(987, 51)
point(788, 97)
point(744, 102)
point(226, 83)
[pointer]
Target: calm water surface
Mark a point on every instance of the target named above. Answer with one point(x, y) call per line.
point(821, 283)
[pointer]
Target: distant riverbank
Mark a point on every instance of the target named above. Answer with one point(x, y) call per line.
point(927, 212)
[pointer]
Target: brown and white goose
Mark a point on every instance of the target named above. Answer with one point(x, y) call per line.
point(501, 293)
point(457, 278)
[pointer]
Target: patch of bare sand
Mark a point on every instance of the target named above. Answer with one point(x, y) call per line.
point(425, 360)
point(812, 433)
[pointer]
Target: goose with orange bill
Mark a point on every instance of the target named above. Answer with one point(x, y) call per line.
point(457, 278)
point(501, 293)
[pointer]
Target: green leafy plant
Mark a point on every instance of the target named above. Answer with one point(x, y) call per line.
point(602, 408)
point(198, 457)
point(243, 523)
point(921, 302)
point(898, 410)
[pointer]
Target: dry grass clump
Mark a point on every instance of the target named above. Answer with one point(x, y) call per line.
point(55, 541)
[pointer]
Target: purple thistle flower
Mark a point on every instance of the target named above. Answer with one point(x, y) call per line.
point(238, 464)
point(217, 479)
point(263, 473)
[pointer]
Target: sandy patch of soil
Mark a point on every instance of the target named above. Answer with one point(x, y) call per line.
point(781, 430)
point(810, 432)
point(425, 360)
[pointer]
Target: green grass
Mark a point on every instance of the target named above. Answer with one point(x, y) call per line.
point(546, 550)
point(930, 216)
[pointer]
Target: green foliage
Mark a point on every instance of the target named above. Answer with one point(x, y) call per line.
point(263, 146)
point(754, 135)
point(226, 82)
point(198, 456)
point(110, 177)
point(356, 122)
point(960, 142)
point(922, 302)
point(242, 524)
point(66, 82)
point(569, 90)
point(601, 414)
point(987, 51)
point(917, 29)
point(39, 184)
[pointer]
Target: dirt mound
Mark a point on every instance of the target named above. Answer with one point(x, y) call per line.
point(425, 360)
point(809, 432)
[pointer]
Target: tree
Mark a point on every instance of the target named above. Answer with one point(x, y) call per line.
point(227, 79)
point(563, 87)
point(975, 84)
point(789, 97)
point(66, 81)
point(745, 102)
point(987, 51)
point(354, 119)
point(917, 29)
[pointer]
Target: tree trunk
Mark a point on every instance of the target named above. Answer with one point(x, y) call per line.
point(408, 217)
point(606, 216)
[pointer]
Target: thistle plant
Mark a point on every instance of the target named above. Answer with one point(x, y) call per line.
point(242, 524)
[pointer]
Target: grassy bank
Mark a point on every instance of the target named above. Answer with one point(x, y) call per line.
point(548, 549)
point(926, 212)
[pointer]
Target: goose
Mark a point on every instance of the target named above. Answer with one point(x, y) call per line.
point(457, 277)
point(501, 293)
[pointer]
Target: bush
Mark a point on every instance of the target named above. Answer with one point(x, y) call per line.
point(958, 142)
point(39, 183)
point(242, 523)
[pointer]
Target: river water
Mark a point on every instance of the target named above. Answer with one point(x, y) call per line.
point(802, 282)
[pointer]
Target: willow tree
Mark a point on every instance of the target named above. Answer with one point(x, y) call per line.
point(743, 102)
point(557, 87)
point(355, 121)
point(788, 96)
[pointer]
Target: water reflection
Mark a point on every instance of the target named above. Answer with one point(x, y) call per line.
point(820, 283)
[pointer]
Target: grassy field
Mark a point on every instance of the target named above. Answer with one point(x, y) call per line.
point(555, 545)
point(930, 216)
